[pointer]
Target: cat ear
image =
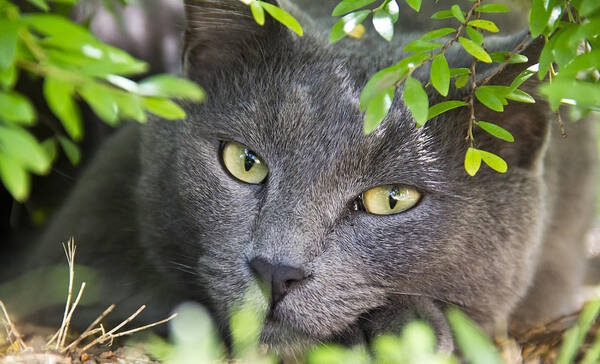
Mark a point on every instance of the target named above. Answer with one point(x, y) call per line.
point(528, 123)
point(220, 32)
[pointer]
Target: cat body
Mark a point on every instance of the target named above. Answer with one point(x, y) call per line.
point(162, 220)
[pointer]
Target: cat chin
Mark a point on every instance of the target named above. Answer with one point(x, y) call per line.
point(287, 341)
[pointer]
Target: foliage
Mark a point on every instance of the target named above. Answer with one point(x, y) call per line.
point(570, 61)
point(195, 341)
point(74, 65)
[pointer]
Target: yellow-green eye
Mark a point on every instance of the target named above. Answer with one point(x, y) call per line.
point(243, 163)
point(387, 200)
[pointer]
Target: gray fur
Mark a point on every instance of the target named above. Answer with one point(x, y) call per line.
point(162, 219)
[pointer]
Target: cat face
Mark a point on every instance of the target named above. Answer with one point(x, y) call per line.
point(332, 269)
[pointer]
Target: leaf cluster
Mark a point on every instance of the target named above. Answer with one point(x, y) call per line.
point(74, 66)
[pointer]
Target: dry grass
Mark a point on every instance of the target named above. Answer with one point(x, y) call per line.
point(57, 349)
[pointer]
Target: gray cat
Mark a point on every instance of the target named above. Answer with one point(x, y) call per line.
point(270, 187)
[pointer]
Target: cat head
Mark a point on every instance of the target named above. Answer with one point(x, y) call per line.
point(296, 234)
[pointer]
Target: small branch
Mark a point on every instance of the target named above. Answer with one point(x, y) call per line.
point(145, 327)
point(69, 249)
point(471, 103)
point(36, 50)
point(500, 68)
point(107, 335)
point(66, 331)
point(11, 329)
point(90, 329)
point(563, 132)
point(447, 45)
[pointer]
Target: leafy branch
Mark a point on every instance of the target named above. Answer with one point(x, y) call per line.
point(75, 66)
point(563, 38)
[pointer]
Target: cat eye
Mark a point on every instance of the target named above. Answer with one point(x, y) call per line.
point(243, 164)
point(390, 199)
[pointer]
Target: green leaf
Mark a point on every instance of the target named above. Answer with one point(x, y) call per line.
point(59, 27)
point(283, 17)
point(123, 83)
point(393, 9)
point(565, 43)
point(418, 45)
point(501, 57)
point(471, 340)
point(484, 24)
point(583, 62)
point(492, 8)
point(545, 60)
point(49, 146)
point(520, 79)
point(8, 43)
point(40, 4)
point(102, 100)
point(459, 71)
point(388, 77)
point(444, 106)
point(15, 178)
point(593, 353)
point(475, 50)
point(24, 148)
point(538, 17)
point(258, 13)
point(442, 14)
point(520, 96)
point(8, 77)
point(487, 96)
point(496, 131)
point(130, 106)
point(346, 24)
point(416, 100)
point(59, 96)
point(588, 315)
point(166, 109)
point(91, 59)
point(457, 13)
point(494, 162)
point(585, 94)
point(438, 33)
point(415, 4)
point(377, 109)
point(588, 7)
point(16, 108)
point(383, 23)
point(569, 346)
point(172, 87)
point(472, 161)
point(461, 81)
point(475, 35)
point(71, 150)
point(440, 74)
point(347, 6)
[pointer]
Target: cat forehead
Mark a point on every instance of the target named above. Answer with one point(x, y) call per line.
point(298, 87)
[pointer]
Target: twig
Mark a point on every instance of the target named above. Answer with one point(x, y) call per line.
point(90, 329)
point(145, 327)
point(517, 49)
point(107, 335)
point(66, 331)
point(563, 132)
point(447, 45)
point(471, 103)
point(11, 329)
point(70, 253)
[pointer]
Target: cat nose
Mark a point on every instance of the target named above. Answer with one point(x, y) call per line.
point(280, 277)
